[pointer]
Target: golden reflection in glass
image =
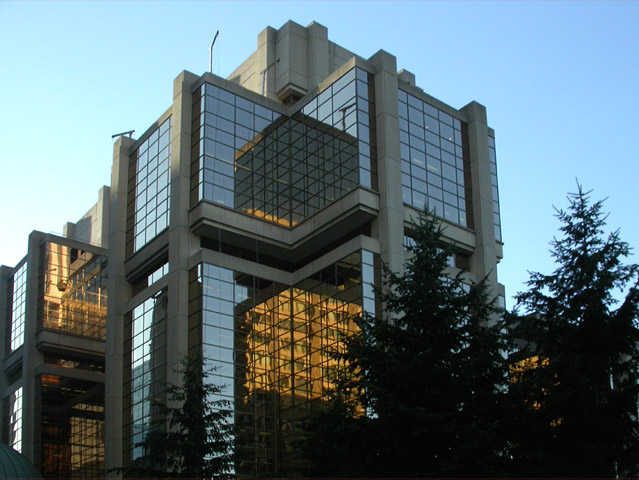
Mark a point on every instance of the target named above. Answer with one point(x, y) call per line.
point(291, 340)
point(270, 218)
point(70, 415)
point(522, 367)
point(73, 284)
point(519, 368)
point(272, 347)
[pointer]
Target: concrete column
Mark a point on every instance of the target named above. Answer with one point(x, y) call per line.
point(266, 68)
point(317, 54)
point(31, 356)
point(102, 223)
point(182, 243)
point(291, 61)
point(5, 302)
point(484, 259)
point(68, 230)
point(119, 292)
point(390, 223)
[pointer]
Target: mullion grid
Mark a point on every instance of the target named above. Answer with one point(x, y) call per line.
point(149, 188)
point(336, 140)
point(73, 295)
point(271, 344)
point(18, 307)
point(71, 439)
point(433, 145)
point(13, 406)
point(144, 370)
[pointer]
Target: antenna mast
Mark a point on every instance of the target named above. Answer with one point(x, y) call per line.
point(211, 52)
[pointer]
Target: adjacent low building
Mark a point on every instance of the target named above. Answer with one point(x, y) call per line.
point(53, 306)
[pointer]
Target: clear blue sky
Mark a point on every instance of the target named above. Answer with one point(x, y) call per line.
point(560, 82)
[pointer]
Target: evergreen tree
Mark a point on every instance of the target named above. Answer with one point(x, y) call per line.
point(193, 437)
point(575, 379)
point(421, 389)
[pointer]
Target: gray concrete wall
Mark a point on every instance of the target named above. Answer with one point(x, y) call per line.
point(93, 227)
point(117, 305)
point(291, 60)
point(390, 229)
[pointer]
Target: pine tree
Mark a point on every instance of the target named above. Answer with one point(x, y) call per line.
point(575, 380)
point(421, 389)
point(193, 437)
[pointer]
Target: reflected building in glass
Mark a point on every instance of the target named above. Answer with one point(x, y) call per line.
point(53, 310)
point(249, 222)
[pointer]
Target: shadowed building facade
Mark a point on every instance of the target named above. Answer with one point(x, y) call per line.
point(249, 222)
point(53, 309)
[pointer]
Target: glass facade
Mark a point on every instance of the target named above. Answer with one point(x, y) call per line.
point(158, 274)
point(13, 420)
point(280, 168)
point(493, 182)
point(149, 188)
point(348, 105)
point(435, 161)
point(368, 283)
point(73, 286)
point(144, 370)
point(18, 307)
point(150, 279)
point(271, 345)
point(70, 413)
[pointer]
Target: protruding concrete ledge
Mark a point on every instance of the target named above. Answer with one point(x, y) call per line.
point(86, 375)
point(462, 237)
point(12, 362)
point(342, 217)
point(152, 255)
point(65, 344)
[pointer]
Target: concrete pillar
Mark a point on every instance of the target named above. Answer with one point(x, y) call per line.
point(317, 54)
point(102, 222)
point(31, 356)
point(5, 302)
point(119, 292)
point(266, 64)
point(390, 223)
point(484, 259)
point(182, 243)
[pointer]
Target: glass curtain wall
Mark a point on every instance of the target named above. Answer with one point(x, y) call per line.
point(435, 161)
point(271, 344)
point(149, 188)
point(12, 423)
point(73, 290)
point(144, 370)
point(278, 168)
point(17, 309)
point(70, 415)
point(493, 182)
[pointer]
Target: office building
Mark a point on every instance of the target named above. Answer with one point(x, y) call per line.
point(53, 307)
point(248, 223)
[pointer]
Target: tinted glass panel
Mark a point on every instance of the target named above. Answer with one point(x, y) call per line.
point(283, 169)
point(434, 137)
point(149, 188)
